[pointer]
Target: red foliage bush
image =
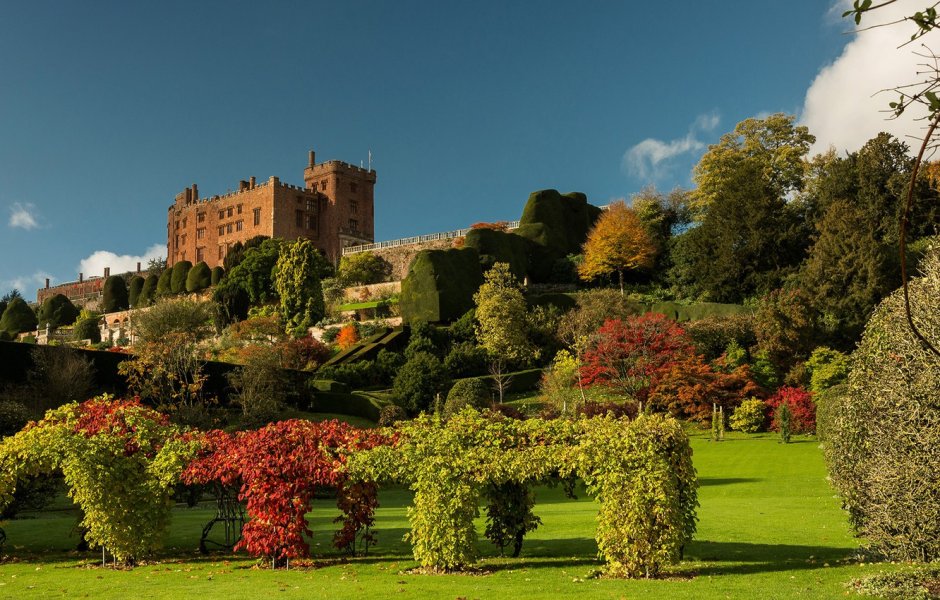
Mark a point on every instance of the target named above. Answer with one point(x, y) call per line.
point(497, 226)
point(348, 336)
point(802, 409)
point(278, 469)
point(689, 387)
point(303, 353)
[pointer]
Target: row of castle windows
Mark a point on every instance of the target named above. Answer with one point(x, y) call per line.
point(353, 187)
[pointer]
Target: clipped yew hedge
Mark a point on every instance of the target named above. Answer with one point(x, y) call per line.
point(440, 285)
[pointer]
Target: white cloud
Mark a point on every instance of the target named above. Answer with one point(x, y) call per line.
point(24, 216)
point(843, 107)
point(26, 284)
point(651, 158)
point(95, 263)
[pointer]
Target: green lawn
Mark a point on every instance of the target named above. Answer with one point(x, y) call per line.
point(769, 528)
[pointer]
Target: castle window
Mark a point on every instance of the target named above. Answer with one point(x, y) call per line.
point(221, 252)
point(177, 224)
point(221, 230)
point(177, 241)
point(353, 187)
point(184, 223)
point(200, 254)
point(200, 217)
point(311, 221)
point(299, 218)
point(257, 214)
point(228, 211)
point(239, 209)
point(238, 225)
point(353, 206)
point(200, 233)
point(228, 228)
point(323, 184)
point(310, 204)
point(184, 239)
point(354, 225)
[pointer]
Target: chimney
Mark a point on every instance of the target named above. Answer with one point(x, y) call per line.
point(251, 182)
point(47, 283)
point(195, 193)
point(107, 272)
point(81, 277)
point(313, 158)
point(187, 195)
point(138, 267)
point(242, 185)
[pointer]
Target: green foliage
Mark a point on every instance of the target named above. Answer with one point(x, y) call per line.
point(363, 268)
point(466, 359)
point(440, 285)
point(254, 273)
point(114, 294)
point(134, 288)
point(164, 285)
point(464, 328)
point(198, 278)
point(178, 275)
point(560, 383)
point(175, 315)
point(786, 327)
point(236, 254)
point(216, 275)
point(418, 382)
point(827, 368)
point(556, 225)
point(260, 387)
point(120, 462)
point(13, 416)
point(87, 329)
point(749, 416)
point(912, 582)
point(882, 438)
point(18, 317)
point(473, 393)
point(499, 246)
point(501, 313)
point(56, 311)
point(297, 283)
point(509, 515)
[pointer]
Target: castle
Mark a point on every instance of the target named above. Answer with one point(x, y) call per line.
point(334, 209)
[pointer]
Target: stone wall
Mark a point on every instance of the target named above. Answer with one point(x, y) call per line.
point(400, 257)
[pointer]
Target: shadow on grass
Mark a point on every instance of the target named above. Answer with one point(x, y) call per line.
point(709, 481)
point(745, 558)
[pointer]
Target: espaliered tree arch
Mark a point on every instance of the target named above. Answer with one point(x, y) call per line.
point(299, 457)
point(641, 473)
point(120, 460)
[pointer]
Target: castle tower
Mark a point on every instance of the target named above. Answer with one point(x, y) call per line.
point(348, 203)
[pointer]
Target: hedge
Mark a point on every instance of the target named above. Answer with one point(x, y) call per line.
point(440, 285)
point(556, 225)
point(198, 278)
point(134, 290)
point(178, 275)
point(357, 404)
point(500, 246)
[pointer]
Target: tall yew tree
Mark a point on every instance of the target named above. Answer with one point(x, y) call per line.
point(297, 282)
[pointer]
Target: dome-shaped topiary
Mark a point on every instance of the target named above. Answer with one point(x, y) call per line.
point(472, 392)
point(198, 278)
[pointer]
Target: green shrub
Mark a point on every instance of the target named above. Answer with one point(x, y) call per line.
point(391, 414)
point(18, 317)
point(418, 382)
point(712, 335)
point(87, 329)
point(148, 292)
point(466, 359)
point(56, 311)
point(750, 416)
point(363, 268)
point(13, 417)
point(556, 225)
point(198, 278)
point(500, 246)
point(178, 275)
point(164, 283)
point(912, 582)
point(217, 274)
point(114, 294)
point(440, 285)
point(134, 289)
point(827, 368)
point(882, 438)
point(783, 417)
point(473, 393)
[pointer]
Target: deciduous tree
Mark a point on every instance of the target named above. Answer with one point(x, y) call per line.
point(501, 317)
point(297, 284)
point(618, 242)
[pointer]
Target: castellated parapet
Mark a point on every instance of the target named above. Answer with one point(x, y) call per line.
point(333, 209)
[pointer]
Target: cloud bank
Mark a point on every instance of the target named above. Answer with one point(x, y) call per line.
point(652, 158)
point(23, 216)
point(843, 107)
point(94, 264)
point(26, 284)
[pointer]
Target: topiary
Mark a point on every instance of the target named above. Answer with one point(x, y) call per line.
point(56, 311)
point(18, 317)
point(114, 294)
point(87, 329)
point(164, 283)
point(882, 436)
point(148, 292)
point(749, 417)
point(217, 274)
point(440, 285)
point(198, 278)
point(134, 289)
point(473, 393)
point(178, 275)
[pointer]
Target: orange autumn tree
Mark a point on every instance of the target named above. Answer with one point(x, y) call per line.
point(618, 242)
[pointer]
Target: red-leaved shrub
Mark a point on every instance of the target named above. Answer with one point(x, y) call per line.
point(802, 409)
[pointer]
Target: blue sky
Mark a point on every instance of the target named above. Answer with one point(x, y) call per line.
point(108, 109)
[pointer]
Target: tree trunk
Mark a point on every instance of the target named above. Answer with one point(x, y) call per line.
point(620, 273)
